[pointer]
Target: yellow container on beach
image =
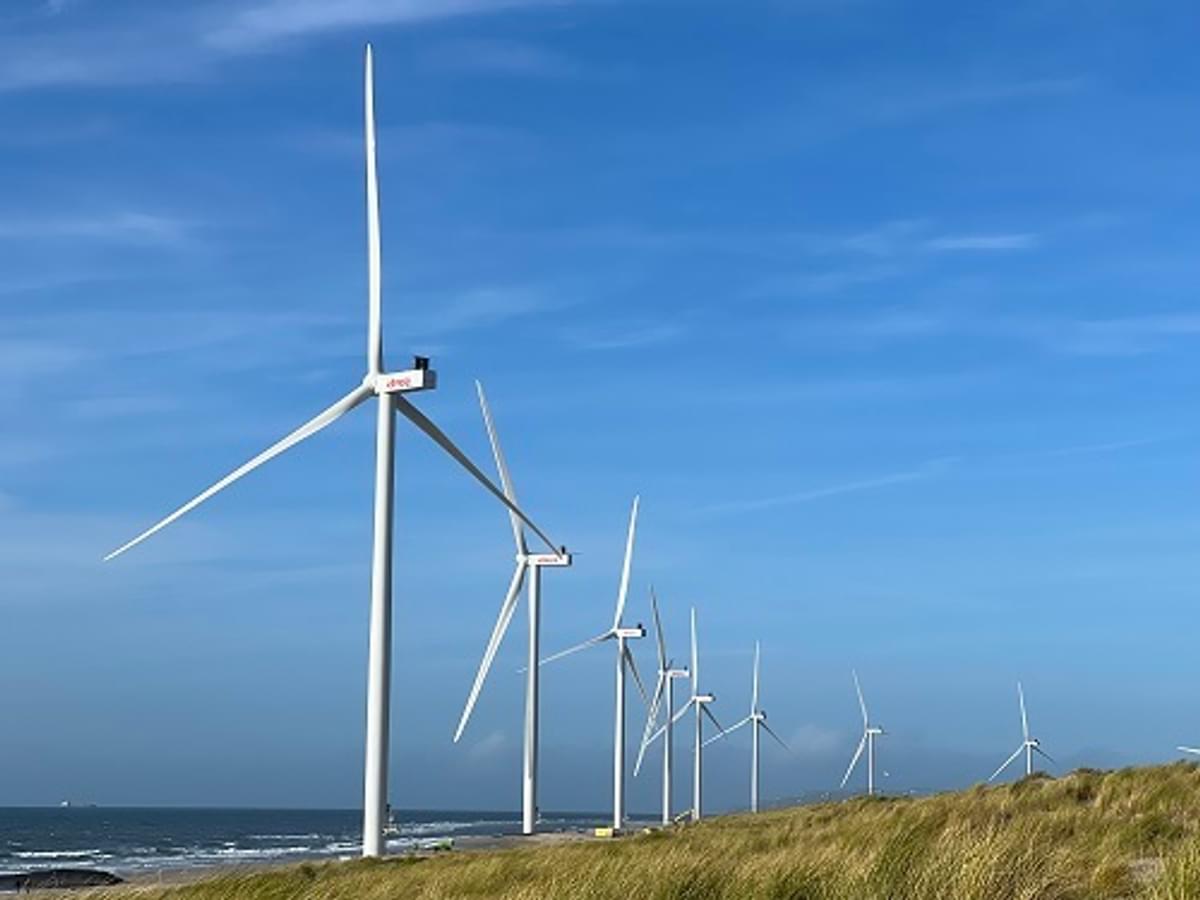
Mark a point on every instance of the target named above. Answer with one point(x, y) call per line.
point(605, 832)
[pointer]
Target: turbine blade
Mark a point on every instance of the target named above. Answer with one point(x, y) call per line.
point(623, 590)
point(862, 704)
point(659, 733)
point(637, 678)
point(754, 690)
point(1037, 749)
point(728, 731)
point(708, 712)
point(590, 642)
point(374, 276)
point(658, 632)
point(439, 437)
point(1024, 718)
point(308, 429)
point(767, 729)
point(1004, 765)
point(651, 718)
point(862, 743)
point(507, 608)
point(502, 467)
point(679, 712)
point(1189, 750)
point(694, 673)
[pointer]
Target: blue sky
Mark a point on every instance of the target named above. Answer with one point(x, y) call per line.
point(887, 311)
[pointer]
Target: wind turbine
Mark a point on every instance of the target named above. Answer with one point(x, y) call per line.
point(867, 742)
point(1028, 746)
point(699, 702)
point(389, 389)
point(757, 719)
point(528, 565)
point(1193, 750)
point(663, 689)
point(621, 634)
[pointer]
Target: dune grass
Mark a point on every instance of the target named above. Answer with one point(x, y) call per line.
point(1133, 833)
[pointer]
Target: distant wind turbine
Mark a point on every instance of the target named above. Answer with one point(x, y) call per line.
point(388, 389)
point(756, 720)
point(699, 703)
point(1028, 746)
point(664, 689)
point(867, 742)
point(531, 565)
point(621, 634)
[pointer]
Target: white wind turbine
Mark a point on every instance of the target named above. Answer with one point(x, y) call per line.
point(1028, 745)
point(388, 388)
point(699, 702)
point(664, 689)
point(867, 742)
point(528, 565)
point(757, 719)
point(621, 634)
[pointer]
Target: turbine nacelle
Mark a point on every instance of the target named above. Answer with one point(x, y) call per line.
point(561, 559)
point(628, 633)
point(418, 378)
point(704, 698)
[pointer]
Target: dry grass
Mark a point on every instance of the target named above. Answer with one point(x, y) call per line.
point(1133, 833)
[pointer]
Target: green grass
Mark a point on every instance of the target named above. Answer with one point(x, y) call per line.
point(1133, 833)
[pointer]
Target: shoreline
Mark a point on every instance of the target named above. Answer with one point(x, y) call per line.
point(465, 844)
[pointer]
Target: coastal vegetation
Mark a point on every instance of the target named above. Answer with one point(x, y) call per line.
point(1132, 833)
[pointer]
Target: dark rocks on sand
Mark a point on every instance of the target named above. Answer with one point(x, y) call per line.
point(57, 878)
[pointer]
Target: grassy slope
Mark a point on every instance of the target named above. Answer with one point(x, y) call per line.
point(1134, 833)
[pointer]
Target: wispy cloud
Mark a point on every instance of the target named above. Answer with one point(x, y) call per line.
point(1122, 336)
point(1125, 336)
point(630, 337)
point(913, 236)
point(498, 57)
point(45, 132)
point(478, 308)
point(1020, 241)
point(271, 21)
point(186, 45)
point(921, 473)
point(1104, 447)
point(903, 104)
point(125, 227)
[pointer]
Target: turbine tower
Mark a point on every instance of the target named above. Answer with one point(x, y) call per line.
point(529, 565)
point(867, 742)
point(1028, 745)
point(388, 388)
point(622, 634)
point(757, 720)
point(664, 689)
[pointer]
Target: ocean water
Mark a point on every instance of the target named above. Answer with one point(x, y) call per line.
point(132, 840)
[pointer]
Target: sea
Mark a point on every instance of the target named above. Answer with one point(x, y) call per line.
point(133, 841)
